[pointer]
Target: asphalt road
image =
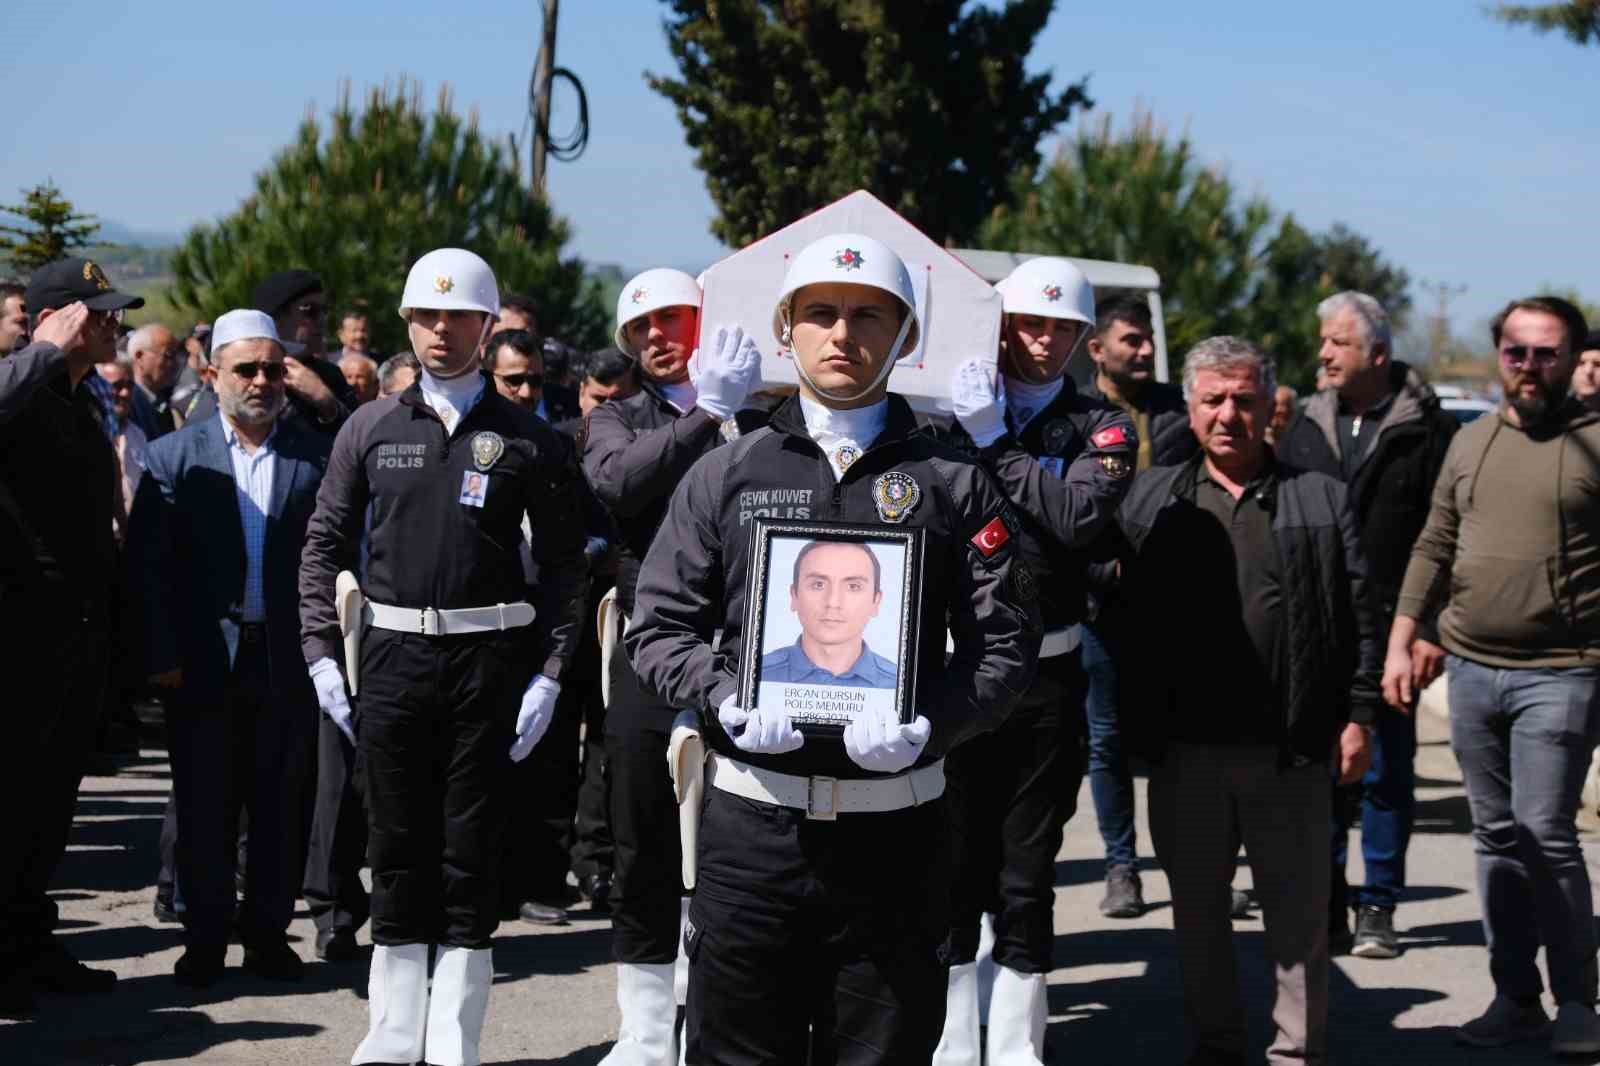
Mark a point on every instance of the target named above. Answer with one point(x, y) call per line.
point(1114, 997)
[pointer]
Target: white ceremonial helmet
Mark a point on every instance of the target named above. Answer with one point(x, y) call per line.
point(852, 259)
point(451, 279)
point(651, 291)
point(1050, 287)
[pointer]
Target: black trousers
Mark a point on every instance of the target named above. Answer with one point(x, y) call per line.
point(647, 879)
point(337, 847)
point(435, 722)
point(246, 754)
point(544, 790)
point(1011, 792)
point(817, 942)
point(54, 710)
point(593, 852)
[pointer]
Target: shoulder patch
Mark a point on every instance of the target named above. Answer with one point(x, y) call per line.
point(992, 537)
point(1023, 584)
point(1110, 437)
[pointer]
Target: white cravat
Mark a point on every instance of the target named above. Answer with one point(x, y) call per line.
point(681, 395)
point(451, 398)
point(1024, 400)
point(844, 435)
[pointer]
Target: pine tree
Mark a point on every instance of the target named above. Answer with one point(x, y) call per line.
point(1579, 20)
point(360, 201)
point(791, 105)
point(55, 228)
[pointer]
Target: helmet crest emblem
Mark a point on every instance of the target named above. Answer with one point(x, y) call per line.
point(1052, 293)
point(638, 295)
point(443, 283)
point(847, 259)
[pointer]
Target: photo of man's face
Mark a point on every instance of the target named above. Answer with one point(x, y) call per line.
point(835, 595)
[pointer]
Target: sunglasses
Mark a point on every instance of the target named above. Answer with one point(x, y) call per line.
point(516, 381)
point(1517, 356)
point(274, 371)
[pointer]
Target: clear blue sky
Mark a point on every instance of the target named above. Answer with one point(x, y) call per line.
point(1468, 151)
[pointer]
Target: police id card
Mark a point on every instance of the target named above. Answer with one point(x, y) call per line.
point(474, 488)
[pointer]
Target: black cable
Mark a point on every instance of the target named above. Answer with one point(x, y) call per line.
point(571, 146)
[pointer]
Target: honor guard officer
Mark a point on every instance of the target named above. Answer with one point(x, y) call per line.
point(820, 897)
point(1065, 462)
point(636, 452)
point(450, 674)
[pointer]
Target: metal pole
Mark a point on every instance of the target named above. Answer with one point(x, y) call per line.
point(546, 73)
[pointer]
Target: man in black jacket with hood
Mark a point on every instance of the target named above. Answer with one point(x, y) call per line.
point(1378, 428)
point(1253, 665)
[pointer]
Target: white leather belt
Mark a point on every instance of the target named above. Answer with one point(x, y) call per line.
point(825, 798)
point(431, 622)
point(1060, 641)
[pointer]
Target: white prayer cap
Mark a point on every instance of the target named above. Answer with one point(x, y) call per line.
point(246, 325)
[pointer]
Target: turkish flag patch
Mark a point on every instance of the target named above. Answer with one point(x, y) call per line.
point(992, 537)
point(1109, 437)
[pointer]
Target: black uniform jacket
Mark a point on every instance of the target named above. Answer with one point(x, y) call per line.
point(1332, 654)
point(693, 580)
point(428, 549)
point(1065, 477)
point(635, 452)
point(1393, 486)
point(57, 480)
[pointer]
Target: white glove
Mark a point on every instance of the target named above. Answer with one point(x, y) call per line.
point(726, 375)
point(329, 683)
point(764, 732)
point(538, 707)
point(979, 398)
point(876, 740)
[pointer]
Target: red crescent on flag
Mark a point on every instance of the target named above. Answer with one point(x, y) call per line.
point(1109, 437)
point(991, 538)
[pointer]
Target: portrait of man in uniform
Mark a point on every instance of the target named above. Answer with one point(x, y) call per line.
point(837, 590)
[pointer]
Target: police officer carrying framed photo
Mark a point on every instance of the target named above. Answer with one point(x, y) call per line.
point(635, 453)
point(455, 667)
point(821, 890)
point(1065, 461)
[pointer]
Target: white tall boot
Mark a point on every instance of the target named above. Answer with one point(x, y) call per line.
point(985, 961)
point(649, 1016)
point(1017, 1016)
point(397, 1002)
point(462, 978)
point(959, 1044)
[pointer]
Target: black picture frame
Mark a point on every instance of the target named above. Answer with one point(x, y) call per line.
point(823, 708)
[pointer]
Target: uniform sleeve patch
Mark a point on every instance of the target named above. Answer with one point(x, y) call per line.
point(1110, 437)
point(992, 537)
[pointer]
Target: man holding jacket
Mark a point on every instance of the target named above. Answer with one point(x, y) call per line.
point(1252, 646)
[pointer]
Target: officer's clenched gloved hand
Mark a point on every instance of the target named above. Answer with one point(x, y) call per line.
point(876, 740)
point(329, 683)
point(726, 373)
point(758, 732)
point(538, 707)
point(979, 399)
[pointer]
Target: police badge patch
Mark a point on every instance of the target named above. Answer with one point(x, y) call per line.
point(1115, 466)
point(487, 448)
point(1023, 584)
point(896, 495)
point(1056, 435)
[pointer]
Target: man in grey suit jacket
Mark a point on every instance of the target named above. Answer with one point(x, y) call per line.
point(218, 524)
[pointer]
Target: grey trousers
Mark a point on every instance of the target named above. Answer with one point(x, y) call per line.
point(1205, 800)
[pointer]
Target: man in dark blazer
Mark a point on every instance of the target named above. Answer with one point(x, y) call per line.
point(218, 524)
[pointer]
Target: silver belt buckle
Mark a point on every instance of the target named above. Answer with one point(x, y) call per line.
point(430, 622)
point(822, 799)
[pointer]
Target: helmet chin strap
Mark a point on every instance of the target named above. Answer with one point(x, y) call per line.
point(1005, 347)
point(883, 373)
point(471, 365)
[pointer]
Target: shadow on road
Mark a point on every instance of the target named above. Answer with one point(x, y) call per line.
point(563, 951)
point(584, 1056)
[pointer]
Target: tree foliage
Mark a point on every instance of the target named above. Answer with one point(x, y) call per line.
point(53, 228)
point(1142, 196)
point(363, 199)
point(1579, 20)
point(791, 104)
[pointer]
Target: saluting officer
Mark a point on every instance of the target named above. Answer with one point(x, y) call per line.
point(1065, 461)
point(820, 899)
point(455, 666)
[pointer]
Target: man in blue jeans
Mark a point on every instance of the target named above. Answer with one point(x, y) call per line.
point(1514, 535)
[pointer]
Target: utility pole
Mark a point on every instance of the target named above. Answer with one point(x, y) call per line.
point(544, 75)
point(1439, 328)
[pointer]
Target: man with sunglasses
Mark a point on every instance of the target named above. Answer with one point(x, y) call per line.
point(1513, 540)
point(57, 570)
point(222, 633)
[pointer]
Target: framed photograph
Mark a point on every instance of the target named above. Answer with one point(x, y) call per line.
point(831, 621)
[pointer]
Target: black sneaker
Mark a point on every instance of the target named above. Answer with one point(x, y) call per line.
point(1124, 894)
point(1374, 937)
point(275, 962)
point(198, 969)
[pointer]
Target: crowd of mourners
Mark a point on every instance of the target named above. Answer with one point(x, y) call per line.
point(470, 616)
